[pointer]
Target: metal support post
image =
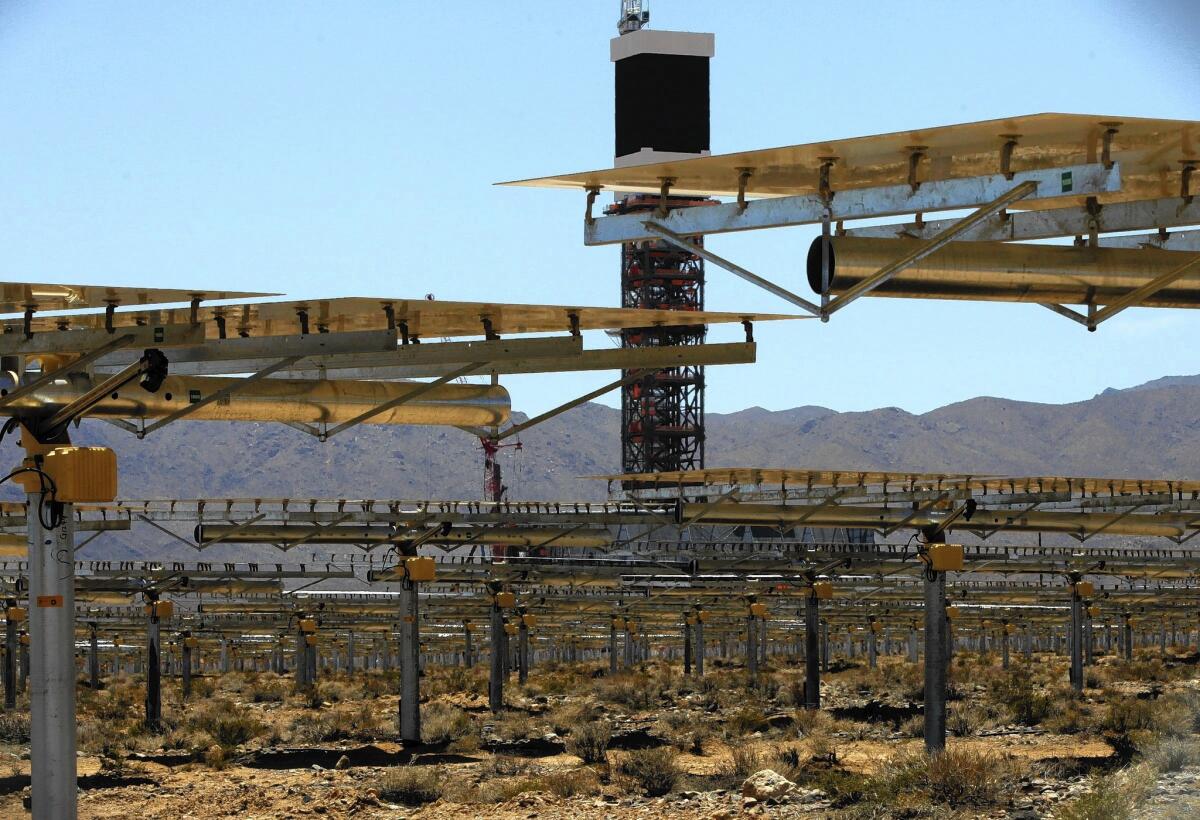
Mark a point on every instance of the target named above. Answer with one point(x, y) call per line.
point(628, 647)
point(812, 659)
point(10, 658)
point(1076, 641)
point(872, 648)
point(762, 641)
point(699, 638)
point(912, 646)
point(1004, 646)
point(301, 662)
point(186, 669)
point(825, 646)
point(522, 652)
point(936, 636)
point(496, 671)
point(350, 662)
point(1088, 638)
point(154, 670)
point(687, 646)
point(468, 649)
point(752, 647)
point(52, 687)
point(410, 663)
point(612, 647)
point(1127, 631)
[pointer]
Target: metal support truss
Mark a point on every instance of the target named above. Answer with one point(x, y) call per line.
point(684, 243)
point(562, 408)
point(928, 247)
point(72, 367)
point(1131, 299)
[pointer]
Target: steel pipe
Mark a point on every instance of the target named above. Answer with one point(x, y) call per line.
point(1152, 524)
point(1006, 272)
point(509, 536)
point(308, 401)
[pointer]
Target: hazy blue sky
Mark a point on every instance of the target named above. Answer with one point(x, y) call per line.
point(350, 149)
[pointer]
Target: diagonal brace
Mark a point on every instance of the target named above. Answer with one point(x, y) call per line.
point(669, 236)
point(632, 376)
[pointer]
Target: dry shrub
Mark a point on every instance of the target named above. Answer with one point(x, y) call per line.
point(1111, 796)
point(787, 761)
point(565, 717)
point(744, 761)
point(653, 771)
point(572, 783)
point(444, 724)
point(268, 691)
point(811, 721)
point(343, 723)
point(514, 726)
point(685, 731)
point(228, 724)
point(746, 721)
point(589, 741)
point(410, 785)
point(954, 777)
point(633, 691)
point(14, 728)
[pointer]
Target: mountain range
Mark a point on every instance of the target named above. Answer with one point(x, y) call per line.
point(1152, 430)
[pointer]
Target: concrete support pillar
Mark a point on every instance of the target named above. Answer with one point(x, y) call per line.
point(936, 661)
point(410, 663)
point(812, 653)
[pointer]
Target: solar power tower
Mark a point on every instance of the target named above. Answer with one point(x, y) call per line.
point(662, 113)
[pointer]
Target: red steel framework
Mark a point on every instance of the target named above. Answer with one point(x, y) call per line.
point(662, 414)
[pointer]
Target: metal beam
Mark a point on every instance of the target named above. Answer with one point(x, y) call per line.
point(861, 203)
point(737, 270)
point(1144, 215)
point(572, 360)
point(930, 246)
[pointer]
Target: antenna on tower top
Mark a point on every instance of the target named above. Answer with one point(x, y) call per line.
point(634, 15)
